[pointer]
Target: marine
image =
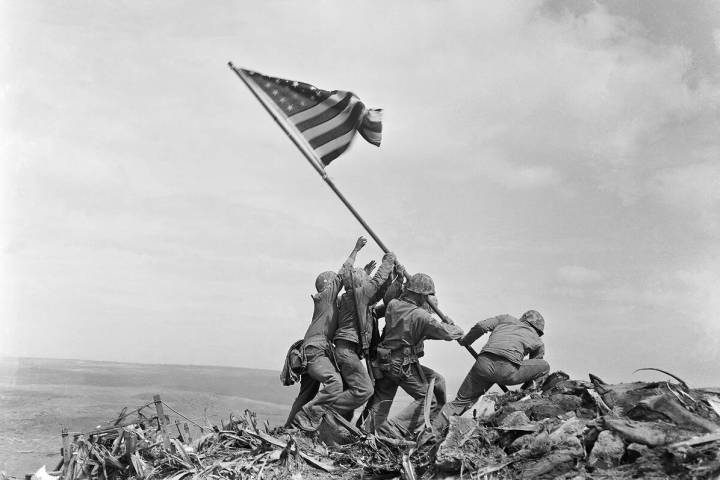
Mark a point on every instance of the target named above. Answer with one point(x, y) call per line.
point(408, 323)
point(501, 360)
point(317, 349)
point(355, 329)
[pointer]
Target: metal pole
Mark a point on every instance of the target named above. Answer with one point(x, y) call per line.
point(307, 152)
point(311, 157)
point(445, 319)
point(469, 348)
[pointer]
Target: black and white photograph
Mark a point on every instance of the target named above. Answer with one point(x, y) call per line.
point(312, 239)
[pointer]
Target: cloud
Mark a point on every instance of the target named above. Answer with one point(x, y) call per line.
point(517, 139)
point(578, 275)
point(691, 189)
point(518, 177)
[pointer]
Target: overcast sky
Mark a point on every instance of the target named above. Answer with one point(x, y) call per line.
point(562, 156)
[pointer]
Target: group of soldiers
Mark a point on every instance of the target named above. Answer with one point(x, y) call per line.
point(344, 361)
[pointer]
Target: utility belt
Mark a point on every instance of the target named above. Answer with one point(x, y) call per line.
point(349, 345)
point(404, 357)
point(298, 358)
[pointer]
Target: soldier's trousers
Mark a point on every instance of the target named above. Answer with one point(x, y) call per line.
point(320, 369)
point(488, 370)
point(359, 386)
point(309, 387)
point(415, 384)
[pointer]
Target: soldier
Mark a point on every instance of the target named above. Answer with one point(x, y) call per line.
point(317, 349)
point(500, 360)
point(408, 322)
point(354, 333)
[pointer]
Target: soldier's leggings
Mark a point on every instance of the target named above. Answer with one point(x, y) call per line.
point(359, 386)
point(309, 387)
point(320, 370)
point(406, 422)
point(487, 370)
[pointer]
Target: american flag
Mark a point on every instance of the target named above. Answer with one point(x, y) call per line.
point(326, 120)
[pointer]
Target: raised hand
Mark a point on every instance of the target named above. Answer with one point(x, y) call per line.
point(360, 243)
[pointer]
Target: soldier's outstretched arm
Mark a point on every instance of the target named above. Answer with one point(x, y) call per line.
point(382, 273)
point(436, 330)
point(359, 244)
point(480, 329)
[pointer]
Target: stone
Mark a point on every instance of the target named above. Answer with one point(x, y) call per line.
point(484, 408)
point(638, 432)
point(551, 465)
point(515, 419)
point(547, 410)
point(607, 451)
point(460, 431)
point(635, 451)
point(568, 435)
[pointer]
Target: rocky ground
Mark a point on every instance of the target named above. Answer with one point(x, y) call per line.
point(563, 428)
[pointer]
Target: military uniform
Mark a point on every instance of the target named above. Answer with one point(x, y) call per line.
point(318, 352)
point(348, 352)
point(500, 361)
point(407, 325)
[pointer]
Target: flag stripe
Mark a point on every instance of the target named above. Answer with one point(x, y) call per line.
point(343, 140)
point(326, 159)
point(320, 107)
point(325, 115)
point(336, 121)
point(348, 125)
point(322, 123)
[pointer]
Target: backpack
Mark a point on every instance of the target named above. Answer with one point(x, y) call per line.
point(295, 364)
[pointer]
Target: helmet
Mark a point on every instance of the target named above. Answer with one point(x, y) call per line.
point(323, 279)
point(421, 283)
point(534, 318)
point(359, 276)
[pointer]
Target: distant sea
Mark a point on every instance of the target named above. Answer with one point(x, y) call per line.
point(39, 396)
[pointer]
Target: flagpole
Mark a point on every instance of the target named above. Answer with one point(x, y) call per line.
point(311, 157)
point(308, 153)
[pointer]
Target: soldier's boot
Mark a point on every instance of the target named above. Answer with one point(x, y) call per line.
point(309, 419)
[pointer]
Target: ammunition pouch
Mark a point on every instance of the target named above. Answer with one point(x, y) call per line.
point(411, 354)
point(382, 363)
point(297, 361)
point(293, 367)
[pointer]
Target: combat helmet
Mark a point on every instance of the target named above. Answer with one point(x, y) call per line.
point(421, 283)
point(534, 318)
point(359, 277)
point(323, 279)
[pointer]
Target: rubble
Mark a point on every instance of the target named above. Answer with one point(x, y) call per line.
point(563, 428)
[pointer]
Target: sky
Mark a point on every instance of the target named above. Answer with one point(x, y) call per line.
point(555, 155)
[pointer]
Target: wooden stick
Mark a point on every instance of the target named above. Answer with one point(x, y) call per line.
point(348, 426)
point(278, 443)
point(66, 453)
point(428, 403)
point(710, 437)
point(161, 422)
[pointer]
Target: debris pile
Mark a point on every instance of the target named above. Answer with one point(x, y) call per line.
point(561, 429)
point(568, 428)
